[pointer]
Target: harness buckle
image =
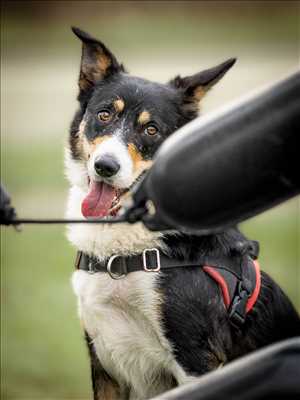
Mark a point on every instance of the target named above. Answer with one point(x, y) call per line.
point(122, 264)
point(147, 267)
point(237, 313)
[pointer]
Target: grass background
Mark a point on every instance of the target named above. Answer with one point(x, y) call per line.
point(42, 351)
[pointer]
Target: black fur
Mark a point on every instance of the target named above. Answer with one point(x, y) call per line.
point(194, 316)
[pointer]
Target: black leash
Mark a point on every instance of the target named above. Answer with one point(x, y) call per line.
point(21, 221)
point(8, 216)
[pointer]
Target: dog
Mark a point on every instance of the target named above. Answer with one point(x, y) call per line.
point(152, 330)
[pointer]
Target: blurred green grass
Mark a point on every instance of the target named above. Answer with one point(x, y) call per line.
point(277, 231)
point(43, 351)
point(40, 166)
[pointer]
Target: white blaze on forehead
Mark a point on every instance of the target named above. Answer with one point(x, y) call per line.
point(118, 150)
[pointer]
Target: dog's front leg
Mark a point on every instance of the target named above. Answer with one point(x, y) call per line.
point(104, 387)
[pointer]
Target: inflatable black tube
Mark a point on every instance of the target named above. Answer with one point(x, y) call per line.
point(270, 373)
point(222, 169)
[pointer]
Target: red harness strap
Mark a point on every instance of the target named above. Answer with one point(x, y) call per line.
point(239, 293)
point(254, 296)
point(211, 271)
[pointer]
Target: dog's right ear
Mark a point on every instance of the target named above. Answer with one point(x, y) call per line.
point(97, 62)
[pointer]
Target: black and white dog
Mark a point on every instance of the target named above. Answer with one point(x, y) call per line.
point(151, 331)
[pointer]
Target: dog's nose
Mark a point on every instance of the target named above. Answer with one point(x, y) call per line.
point(106, 166)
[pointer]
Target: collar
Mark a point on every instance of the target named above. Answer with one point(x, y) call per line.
point(237, 277)
point(150, 260)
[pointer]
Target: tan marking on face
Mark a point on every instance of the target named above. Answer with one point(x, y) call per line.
point(81, 129)
point(135, 155)
point(84, 146)
point(139, 164)
point(142, 166)
point(119, 105)
point(144, 117)
point(81, 141)
point(95, 142)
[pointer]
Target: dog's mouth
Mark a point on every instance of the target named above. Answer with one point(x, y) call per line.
point(102, 200)
point(105, 200)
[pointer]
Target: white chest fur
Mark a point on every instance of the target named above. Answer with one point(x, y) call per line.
point(122, 317)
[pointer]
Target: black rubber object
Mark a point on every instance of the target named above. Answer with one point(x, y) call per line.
point(272, 373)
point(220, 170)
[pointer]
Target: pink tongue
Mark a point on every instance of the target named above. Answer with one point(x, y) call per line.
point(98, 201)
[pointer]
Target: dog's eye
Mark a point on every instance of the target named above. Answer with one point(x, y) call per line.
point(104, 115)
point(151, 130)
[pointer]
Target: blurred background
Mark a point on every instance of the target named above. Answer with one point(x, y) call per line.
point(42, 351)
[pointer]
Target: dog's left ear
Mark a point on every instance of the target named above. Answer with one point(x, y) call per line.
point(97, 62)
point(194, 87)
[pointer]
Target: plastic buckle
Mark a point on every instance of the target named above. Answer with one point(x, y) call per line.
point(237, 314)
point(116, 275)
point(147, 267)
point(236, 319)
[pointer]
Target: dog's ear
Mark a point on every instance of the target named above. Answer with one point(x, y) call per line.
point(194, 87)
point(97, 62)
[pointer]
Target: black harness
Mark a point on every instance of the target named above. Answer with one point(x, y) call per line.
point(238, 277)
